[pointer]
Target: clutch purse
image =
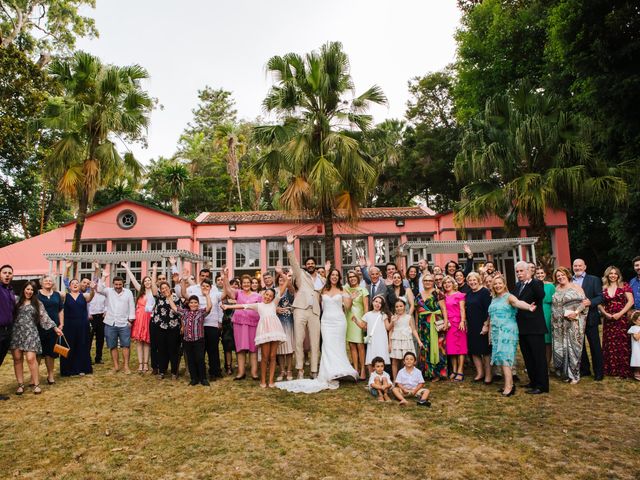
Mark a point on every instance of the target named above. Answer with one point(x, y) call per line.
point(60, 349)
point(439, 324)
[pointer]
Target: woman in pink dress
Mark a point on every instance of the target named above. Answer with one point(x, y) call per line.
point(456, 338)
point(145, 302)
point(245, 323)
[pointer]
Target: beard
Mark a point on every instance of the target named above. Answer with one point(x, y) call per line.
point(311, 270)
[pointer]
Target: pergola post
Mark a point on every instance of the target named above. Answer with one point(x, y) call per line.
point(533, 254)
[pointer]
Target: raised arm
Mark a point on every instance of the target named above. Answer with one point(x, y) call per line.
point(229, 291)
point(364, 268)
point(468, 266)
point(92, 292)
point(296, 271)
point(206, 291)
point(130, 275)
point(519, 304)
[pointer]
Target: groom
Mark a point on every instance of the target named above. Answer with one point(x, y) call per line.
point(306, 311)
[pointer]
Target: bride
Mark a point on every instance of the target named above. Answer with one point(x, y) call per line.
point(334, 363)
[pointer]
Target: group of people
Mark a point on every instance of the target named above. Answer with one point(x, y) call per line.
point(400, 330)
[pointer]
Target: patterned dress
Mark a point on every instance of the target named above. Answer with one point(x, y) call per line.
point(504, 331)
point(354, 333)
point(432, 358)
point(52, 304)
point(24, 335)
point(568, 335)
point(616, 343)
point(286, 319)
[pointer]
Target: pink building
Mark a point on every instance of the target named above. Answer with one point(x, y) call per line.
point(250, 242)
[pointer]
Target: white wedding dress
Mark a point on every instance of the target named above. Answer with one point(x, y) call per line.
point(334, 363)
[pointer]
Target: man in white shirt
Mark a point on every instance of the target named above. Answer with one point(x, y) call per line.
point(212, 324)
point(97, 309)
point(119, 316)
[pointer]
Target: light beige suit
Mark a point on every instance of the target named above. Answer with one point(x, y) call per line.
point(306, 313)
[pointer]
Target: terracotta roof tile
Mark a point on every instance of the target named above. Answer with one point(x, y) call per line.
point(282, 216)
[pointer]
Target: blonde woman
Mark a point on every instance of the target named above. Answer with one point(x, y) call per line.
point(456, 338)
point(569, 315)
point(617, 300)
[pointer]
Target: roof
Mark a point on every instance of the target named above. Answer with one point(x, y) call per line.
point(116, 257)
point(265, 216)
point(499, 245)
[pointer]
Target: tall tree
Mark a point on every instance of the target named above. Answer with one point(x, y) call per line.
point(216, 108)
point(524, 155)
point(314, 144)
point(100, 104)
point(43, 26)
point(175, 175)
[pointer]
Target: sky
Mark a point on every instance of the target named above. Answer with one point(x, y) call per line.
point(186, 45)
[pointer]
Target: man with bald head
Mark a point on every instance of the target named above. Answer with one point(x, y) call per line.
point(592, 287)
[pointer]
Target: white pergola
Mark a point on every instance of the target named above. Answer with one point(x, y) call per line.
point(496, 246)
point(111, 259)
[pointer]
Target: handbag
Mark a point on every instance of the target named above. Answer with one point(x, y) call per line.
point(368, 339)
point(60, 349)
point(439, 324)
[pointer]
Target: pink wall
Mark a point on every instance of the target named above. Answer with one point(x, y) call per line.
point(27, 259)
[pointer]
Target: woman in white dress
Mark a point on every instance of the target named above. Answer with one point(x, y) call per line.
point(334, 363)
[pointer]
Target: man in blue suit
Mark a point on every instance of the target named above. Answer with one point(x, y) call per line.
point(592, 287)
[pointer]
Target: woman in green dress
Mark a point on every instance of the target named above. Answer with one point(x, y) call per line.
point(355, 335)
point(549, 290)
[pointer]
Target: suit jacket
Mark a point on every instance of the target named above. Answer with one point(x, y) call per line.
point(306, 295)
point(592, 287)
point(531, 323)
point(381, 289)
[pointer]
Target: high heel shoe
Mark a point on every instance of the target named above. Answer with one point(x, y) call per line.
point(241, 377)
point(511, 393)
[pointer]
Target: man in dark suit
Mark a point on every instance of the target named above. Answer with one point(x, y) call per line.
point(532, 327)
point(592, 287)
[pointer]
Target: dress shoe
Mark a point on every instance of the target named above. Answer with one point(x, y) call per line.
point(529, 385)
point(4, 397)
point(511, 392)
point(534, 391)
point(598, 378)
point(204, 383)
point(516, 378)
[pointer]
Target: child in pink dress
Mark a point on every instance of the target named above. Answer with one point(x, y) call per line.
point(269, 333)
point(456, 338)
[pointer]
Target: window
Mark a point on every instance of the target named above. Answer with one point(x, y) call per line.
point(216, 251)
point(160, 245)
point(127, 219)
point(385, 250)
point(478, 257)
point(246, 257)
point(277, 252)
point(135, 266)
point(312, 247)
point(86, 268)
point(415, 254)
point(350, 250)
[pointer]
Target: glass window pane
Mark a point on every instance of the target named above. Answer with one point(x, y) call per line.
point(247, 254)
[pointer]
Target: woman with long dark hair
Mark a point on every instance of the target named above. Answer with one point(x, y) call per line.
point(25, 339)
point(145, 301)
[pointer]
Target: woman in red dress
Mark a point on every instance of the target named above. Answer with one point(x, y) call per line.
point(617, 300)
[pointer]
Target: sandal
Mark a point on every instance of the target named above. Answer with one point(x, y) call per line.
point(140, 370)
point(145, 367)
point(20, 389)
point(37, 390)
point(461, 375)
point(290, 376)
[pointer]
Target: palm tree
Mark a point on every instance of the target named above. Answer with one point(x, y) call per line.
point(100, 103)
point(175, 176)
point(315, 144)
point(524, 154)
point(230, 137)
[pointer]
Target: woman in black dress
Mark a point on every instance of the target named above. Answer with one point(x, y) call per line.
point(76, 330)
point(477, 308)
point(53, 303)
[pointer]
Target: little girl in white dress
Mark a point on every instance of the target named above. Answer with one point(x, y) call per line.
point(376, 323)
point(634, 331)
point(401, 336)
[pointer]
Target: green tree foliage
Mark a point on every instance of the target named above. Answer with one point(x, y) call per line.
point(99, 104)
point(43, 26)
point(524, 154)
point(29, 201)
point(314, 146)
point(216, 108)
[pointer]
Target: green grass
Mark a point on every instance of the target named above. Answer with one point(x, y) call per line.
point(128, 427)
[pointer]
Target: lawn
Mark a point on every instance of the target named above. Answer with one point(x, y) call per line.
point(126, 427)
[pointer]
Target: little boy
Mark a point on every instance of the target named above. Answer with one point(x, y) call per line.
point(410, 381)
point(379, 381)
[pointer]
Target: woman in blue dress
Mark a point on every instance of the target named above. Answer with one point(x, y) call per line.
point(76, 331)
point(504, 330)
point(53, 304)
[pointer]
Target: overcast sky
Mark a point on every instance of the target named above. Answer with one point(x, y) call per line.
point(186, 45)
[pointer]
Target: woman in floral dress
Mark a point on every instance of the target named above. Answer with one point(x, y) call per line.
point(617, 300)
point(284, 309)
point(430, 307)
point(25, 338)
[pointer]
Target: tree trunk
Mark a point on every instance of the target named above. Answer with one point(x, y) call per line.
point(327, 221)
point(175, 205)
point(83, 207)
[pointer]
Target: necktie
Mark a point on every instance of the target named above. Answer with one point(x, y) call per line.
point(373, 290)
point(524, 284)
